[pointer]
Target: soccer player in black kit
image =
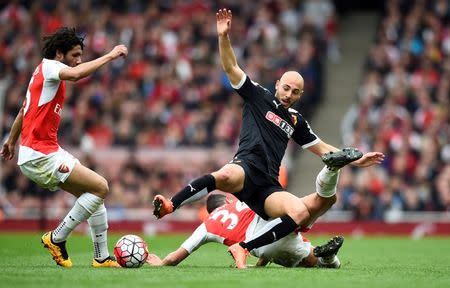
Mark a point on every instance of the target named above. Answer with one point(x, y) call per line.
point(252, 176)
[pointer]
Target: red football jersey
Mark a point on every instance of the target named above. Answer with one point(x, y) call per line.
point(42, 111)
point(230, 222)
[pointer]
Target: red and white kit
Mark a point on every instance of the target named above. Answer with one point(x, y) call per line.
point(40, 157)
point(236, 222)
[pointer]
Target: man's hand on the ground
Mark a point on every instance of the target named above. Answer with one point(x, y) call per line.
point(154, 260)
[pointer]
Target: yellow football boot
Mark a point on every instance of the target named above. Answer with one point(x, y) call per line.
point(108, 262)
point(58, 250)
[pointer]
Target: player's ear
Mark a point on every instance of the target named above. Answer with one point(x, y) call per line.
point(59, 55)
point(276, 84)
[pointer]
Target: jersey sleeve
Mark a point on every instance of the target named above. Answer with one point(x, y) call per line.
point(304, 135)
point(249, 90)
point(51, 68)
point(197, 239)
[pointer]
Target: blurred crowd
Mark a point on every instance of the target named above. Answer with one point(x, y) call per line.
point(169, 93)
point(402, 109)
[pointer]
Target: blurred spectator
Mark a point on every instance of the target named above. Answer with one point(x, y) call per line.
point(403, 110)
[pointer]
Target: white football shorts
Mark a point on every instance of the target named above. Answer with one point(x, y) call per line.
point(50, 170)
point(288, 251)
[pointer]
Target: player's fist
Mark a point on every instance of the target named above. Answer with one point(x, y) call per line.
point(119, 51)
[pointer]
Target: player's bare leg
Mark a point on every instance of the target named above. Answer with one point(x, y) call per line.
point(230, 178)
point(288, 212)
point(91, 189)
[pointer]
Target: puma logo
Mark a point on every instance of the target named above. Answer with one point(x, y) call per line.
point(63, 168)
point(276, 104)
point(192, 188)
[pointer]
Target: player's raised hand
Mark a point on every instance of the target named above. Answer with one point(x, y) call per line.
point(223, 17)
point(369, 159)
point(7, 151)
point(119, 51)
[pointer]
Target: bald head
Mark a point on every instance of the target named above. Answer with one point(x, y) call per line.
point(289, 88)
point(294, 78)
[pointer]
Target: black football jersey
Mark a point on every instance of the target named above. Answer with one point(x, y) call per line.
point(267, 127)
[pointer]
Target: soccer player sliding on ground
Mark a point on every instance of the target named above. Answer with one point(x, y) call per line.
point(42, 159)
point(252, 176)
point(231, 222)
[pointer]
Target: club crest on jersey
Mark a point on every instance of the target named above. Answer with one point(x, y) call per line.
point(277, 120)
point(294, 119)
point(63, 169)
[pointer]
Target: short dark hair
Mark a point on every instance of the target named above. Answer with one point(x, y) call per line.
point(63, 40)
point(214, 201)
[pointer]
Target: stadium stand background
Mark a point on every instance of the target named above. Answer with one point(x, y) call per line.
point(166, 114)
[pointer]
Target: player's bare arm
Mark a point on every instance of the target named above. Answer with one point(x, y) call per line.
point(369, 159)
point(321, 148)
point(227, 56)
point(172, 259)
point(85, 69)
point(8, 148)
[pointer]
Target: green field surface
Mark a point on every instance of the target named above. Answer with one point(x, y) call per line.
point(366, 262)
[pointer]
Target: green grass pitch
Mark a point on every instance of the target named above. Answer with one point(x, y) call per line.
point(366, 262)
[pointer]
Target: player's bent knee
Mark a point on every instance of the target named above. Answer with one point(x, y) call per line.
point(226, 181)
point(103, 188)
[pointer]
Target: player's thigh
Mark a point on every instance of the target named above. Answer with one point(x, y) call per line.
point(230, 178)
point(317, 205)
point(83, 179)
point(283, 203)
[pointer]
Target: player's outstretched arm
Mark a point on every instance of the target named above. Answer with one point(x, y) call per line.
point(173, 259)
point(227, 56)
point(321, 148)
point(85, 69)
point(368, 159)
point(8, 148)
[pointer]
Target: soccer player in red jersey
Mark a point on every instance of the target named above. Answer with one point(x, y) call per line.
point(233, 222)
point(41, 158)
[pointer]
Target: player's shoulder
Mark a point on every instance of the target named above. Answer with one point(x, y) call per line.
point(256, 84)
point(293, 111)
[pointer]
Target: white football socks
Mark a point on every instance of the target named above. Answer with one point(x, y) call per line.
point(326, 182)
point(98, 222)
point(329, 262)
point(84, 207)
